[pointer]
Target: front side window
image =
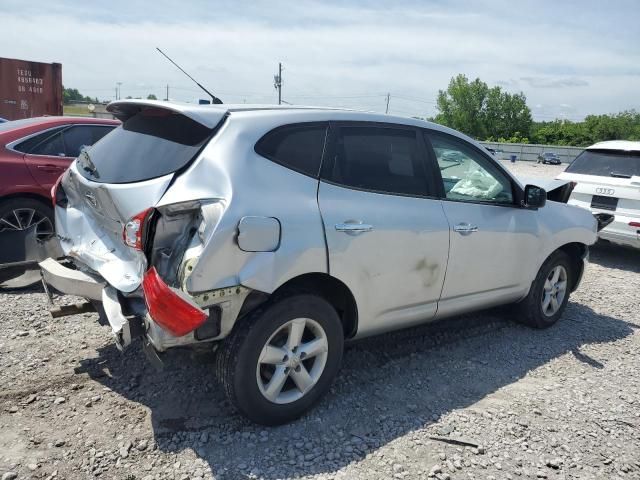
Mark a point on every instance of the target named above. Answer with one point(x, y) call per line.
point(379, 158)
point(466, 174)
point(298, 147)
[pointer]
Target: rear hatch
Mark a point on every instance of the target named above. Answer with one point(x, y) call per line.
point(608, 181)
point(124, 174)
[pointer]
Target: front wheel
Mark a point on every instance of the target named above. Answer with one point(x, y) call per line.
point(549, 293)
point(281, 359)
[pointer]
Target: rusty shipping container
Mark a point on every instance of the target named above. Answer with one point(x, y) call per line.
point(29, 89)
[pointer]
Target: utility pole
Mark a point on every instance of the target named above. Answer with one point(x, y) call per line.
point(388, 97)
point(167, 98)
point(277, 82)
point(118, 91)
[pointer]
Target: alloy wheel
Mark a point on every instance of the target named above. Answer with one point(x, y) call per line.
point(20, 219)
point(292, 361)
point(555, 289)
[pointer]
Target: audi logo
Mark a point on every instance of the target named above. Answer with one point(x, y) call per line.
point(605, 191)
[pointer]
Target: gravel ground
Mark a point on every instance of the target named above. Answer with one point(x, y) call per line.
point(473, 397)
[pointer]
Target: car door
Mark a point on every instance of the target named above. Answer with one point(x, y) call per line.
point(387, 235)
point(492, 238)
point(53, 155)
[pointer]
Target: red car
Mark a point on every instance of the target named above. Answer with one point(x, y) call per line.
point(33, 154)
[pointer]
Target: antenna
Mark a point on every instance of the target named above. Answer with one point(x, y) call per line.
point(214, 99)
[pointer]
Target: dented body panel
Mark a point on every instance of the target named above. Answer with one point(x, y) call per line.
point(90, 226)
point(251, 185)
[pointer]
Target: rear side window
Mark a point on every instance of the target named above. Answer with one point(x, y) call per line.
point(31, 143)
point(152, 143)
point(606, 163)
point(298, 147)
point(381, 159)
point(52, 146)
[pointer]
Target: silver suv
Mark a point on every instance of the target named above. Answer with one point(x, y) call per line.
point(273, 235)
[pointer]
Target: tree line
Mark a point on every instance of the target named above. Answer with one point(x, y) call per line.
point(492, 114)
point(70, 95)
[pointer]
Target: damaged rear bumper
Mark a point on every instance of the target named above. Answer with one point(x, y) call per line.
point(92, 287)
point(71, 282)
point(129, 317)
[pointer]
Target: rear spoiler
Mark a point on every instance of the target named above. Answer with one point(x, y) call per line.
point(208, 115)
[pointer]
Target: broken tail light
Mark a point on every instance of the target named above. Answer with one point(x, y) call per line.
point(168, 307)
point(134, 231)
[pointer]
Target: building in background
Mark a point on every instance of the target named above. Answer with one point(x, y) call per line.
point(29, 89)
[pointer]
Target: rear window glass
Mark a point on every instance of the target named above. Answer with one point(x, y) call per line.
point(606, 163)
point(150, 144)
point(298, 147)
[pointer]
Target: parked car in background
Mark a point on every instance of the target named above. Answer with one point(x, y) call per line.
point(549, 157)
point(275, 234)
point(34, 152)
point(607, 179)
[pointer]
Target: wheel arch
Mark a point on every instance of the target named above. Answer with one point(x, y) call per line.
point(324, 285)
point(576, 252)
point(32, 196)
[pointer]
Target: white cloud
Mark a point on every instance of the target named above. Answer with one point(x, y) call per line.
point(332, 54)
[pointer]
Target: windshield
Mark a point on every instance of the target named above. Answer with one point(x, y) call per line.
point(150, 144)
point(606, 163)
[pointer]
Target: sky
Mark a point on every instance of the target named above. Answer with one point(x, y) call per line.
point(570, 58)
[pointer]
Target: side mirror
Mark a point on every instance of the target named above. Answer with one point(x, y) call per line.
point(534, 197)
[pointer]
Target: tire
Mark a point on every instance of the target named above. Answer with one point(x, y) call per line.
point(247, 365)
point(531, 310)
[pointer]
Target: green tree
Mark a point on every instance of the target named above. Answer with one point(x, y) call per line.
point(73, 95)
point(595, 128)
point(482, 112)
point(151, 96)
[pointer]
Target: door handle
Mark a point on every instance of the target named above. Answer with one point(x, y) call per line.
point(50, 168)
point(353, 228)
point(465, 228)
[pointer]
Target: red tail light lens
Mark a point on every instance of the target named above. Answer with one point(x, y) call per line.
point(134, 230)
point(634, 224)
point(168, 307)
point(58, 197)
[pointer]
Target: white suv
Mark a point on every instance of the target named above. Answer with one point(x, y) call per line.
point(607, 179)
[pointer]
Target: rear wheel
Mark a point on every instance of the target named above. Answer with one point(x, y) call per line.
point(281, 359)
point(549, 293)
point(19, 216)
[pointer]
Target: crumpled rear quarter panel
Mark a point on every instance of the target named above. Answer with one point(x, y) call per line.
point(251, 185)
